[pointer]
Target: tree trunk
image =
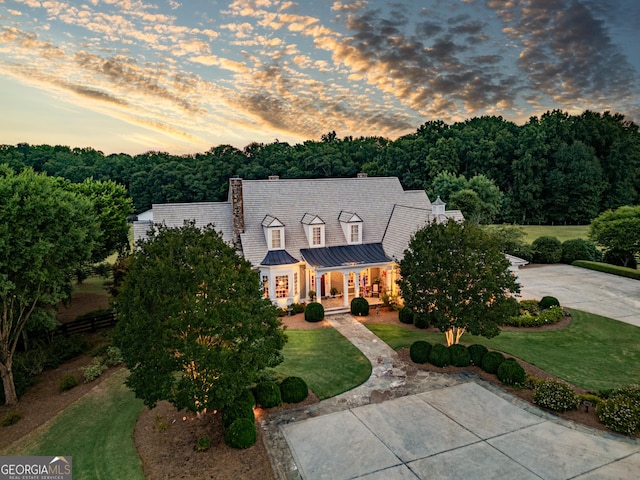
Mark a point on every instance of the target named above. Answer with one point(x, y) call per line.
point(10, 396)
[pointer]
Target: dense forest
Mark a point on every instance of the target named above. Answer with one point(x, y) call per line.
point(558, 168)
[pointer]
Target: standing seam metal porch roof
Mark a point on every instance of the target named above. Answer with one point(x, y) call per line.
point(345, 255)
point(278, 257)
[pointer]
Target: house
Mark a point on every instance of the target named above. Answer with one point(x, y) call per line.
point(339, 236)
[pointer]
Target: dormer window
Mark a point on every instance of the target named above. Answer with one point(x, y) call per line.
point(273, 233)
point(314, 229)
point(351, 227)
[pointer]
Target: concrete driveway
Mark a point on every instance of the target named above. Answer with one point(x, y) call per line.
point(595, 292)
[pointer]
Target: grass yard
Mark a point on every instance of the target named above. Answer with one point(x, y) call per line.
point(97, 431)
point(561, 232)
point(327, 361)
point(593, 352)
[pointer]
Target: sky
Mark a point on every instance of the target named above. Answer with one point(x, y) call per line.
point(183, 76)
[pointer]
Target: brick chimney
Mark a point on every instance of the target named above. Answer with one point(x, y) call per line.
point(237, 209)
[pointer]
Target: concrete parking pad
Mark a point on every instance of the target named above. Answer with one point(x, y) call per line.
point(337, 446)
point(458, 432)
point(626, 468)
point(472, 406)
point(556, 452)
point(478, 462)
point(412, 429)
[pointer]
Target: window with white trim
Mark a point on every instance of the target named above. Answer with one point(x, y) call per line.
point(355, 233)
point(276, 238)
point(265, 286)
point(282, 286)
point(316, 236)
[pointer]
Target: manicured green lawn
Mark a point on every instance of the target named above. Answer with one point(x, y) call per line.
point(97, 431)
point(593, 352)
point(327, 361)
point(562, 232)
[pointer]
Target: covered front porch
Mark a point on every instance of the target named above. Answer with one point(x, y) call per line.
point(336, 275)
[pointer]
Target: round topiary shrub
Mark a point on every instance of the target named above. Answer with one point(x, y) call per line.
point(233, 412)
point(477, 351)
point(546, 250)
point(421, 320)
point(268, 394)
point(556, 396)
point(578, 249)
point(546, 302)
point(293, 390)
point(440, 355)
point(621, 411)
point(510, 372)
point(246, 397)
point(420, 351)
point(491, 361)
point(459, 355)
point(359, 307)
point(314, 312)
point(67, 382)
point(241, 434)
point(405, 315)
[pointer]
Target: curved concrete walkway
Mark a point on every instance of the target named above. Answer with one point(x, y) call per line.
point(595, 292)
point(409, 424)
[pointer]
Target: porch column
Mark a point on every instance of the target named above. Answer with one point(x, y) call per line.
point(345, 289)
point(356, 285)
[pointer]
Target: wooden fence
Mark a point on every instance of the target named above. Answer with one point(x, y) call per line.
point(91, 324)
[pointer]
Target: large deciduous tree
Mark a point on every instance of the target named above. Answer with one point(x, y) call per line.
point(46, 233)
point(618, 232)
point(455, 275)
point(193, 327)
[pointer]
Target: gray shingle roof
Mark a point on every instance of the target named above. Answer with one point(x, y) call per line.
point(372, 198)
point(204, 213)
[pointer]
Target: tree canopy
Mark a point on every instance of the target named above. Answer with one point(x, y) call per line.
point(618, 232)
point(455, 275)
point(556, 168)
point(193, 327)
point(46, 233)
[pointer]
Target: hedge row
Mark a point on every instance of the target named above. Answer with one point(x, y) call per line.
point(509, 371)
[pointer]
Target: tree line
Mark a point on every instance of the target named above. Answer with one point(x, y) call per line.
point(555, 169)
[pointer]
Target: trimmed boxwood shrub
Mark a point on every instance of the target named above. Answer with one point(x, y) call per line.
point(293, 390)
point(491, 361)
point(477, 351)
point(546, 317)
point(420, 351)
point(546, 302)
point(440, 355)
point(546, 250)
point(314, 312)
point(459, 355)
point(241, 434)
point(620, 412)
point(238, 410)
point(359, 307)
point(67, 382)
point(247, 397)
point(405, 315)
point(268, 394)
point(578, 249)
point(556, 396)
point(421, 320)
point(510, 372)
